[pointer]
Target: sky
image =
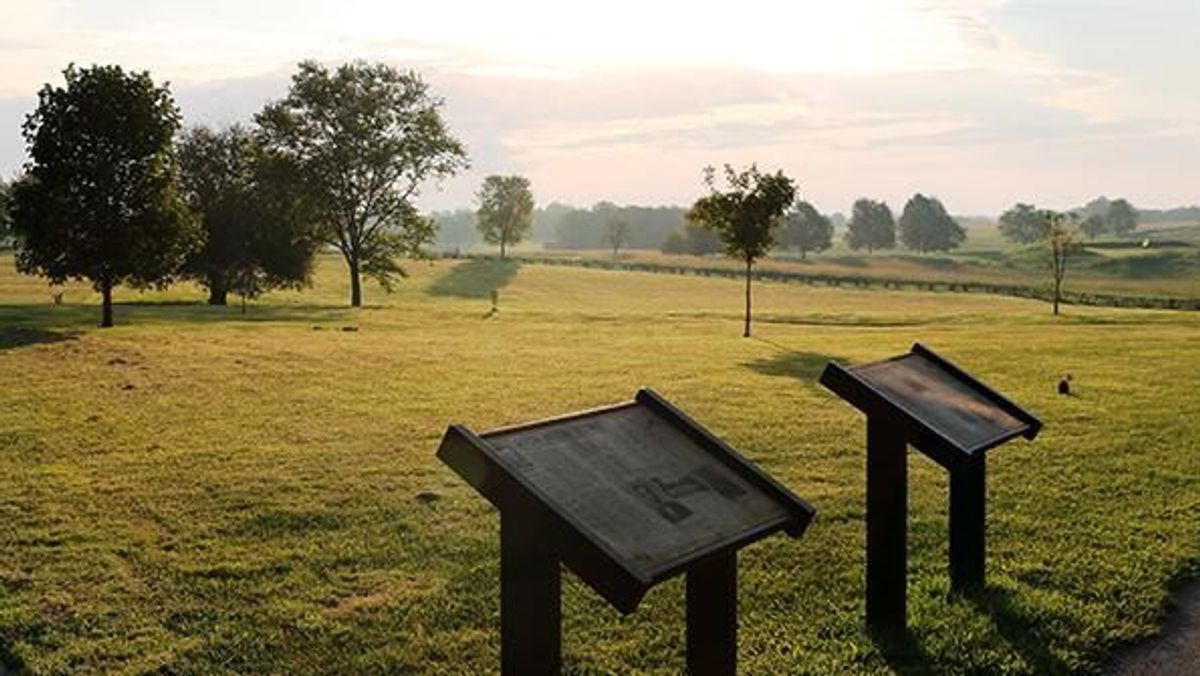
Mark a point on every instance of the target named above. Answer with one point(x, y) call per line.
point(981, 103)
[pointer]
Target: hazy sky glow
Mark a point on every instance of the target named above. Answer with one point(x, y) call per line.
point(981, 102)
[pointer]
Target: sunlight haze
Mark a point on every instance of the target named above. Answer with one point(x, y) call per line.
point(982, 103)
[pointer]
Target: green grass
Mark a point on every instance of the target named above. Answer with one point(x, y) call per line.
point(198, 491)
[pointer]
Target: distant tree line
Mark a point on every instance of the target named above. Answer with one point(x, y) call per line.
point(1026, 224)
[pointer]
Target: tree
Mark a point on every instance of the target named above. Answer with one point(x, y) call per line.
point(1062, 240)
point(1093, 226)
point(255, 219)
point(1122, 218)
point(806, 229)
point(1023, 224)
point(505, 213)
point(926, 226)
point(617, 231)
point(6, 189)
point(102, 200)
point(365, 138)
point(745, 215)
point(871, 226)
point(691, 239)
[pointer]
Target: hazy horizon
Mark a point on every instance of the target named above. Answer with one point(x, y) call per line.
point(981, 103)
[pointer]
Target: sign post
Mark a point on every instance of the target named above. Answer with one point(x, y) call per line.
point(625, 496)
point(922, 399)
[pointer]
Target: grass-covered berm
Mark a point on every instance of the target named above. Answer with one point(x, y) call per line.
point(202, 491)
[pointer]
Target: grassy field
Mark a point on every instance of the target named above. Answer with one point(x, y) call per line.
point(200, 491)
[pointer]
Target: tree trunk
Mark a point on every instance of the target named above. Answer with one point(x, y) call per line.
point(503, 244)
point(218, 289)
point(243, 303)
point(106, 319)
point(746, 331)
point(355, 282)
point(1057, 287)
point(803, 254)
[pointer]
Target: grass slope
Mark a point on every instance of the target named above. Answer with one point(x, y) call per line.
point(197, 491)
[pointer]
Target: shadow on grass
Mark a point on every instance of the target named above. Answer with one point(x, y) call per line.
point(902, 652)
point(10, 663)
point(12, 337)
point(475, 278)
point(1019, 629)
point(27, 324)
point(804, 366)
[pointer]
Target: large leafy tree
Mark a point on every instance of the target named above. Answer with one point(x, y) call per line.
point(505, 214)
point(806, 229)
point(365, 138)
point(1023, 224)
point(255, 216)
point(102, 200)
point(1122, 218)
point(926, 226)
point(744, 215)
point(871, 226)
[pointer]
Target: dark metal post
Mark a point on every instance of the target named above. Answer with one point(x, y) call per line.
point(887, 526)
point(530, 607)
point(712, 617)
point(968, 497)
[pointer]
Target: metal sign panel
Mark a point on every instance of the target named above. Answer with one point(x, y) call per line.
point(950, 407)
point(638, 484)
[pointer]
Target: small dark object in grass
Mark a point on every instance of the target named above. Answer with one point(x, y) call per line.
point(428, 497)
point(92, 418)
point(1064, 385)
point(318, 328)
point(116, 361)
point(350, 328)
point(127, 386)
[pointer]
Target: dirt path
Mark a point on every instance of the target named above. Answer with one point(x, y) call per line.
point(1175, 651)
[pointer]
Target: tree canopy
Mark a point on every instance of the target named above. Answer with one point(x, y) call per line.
point(1023, 224)
point(1121, 218)
point(744, 215)
point(365, 138)
point(805, 229)
point(101, 201)
point(254, 214)
point(6, 189)
point(926, 226)
point(871, 226)
point(505, 214)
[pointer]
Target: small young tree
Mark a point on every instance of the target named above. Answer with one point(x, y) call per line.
point(616, 231)
point(1122, 218)
point(871, 226)
point(1062, 240)
point(745, 215)
point(102, 201)
point(255, 217)
point(804, 228)
point(1023, 224)
point(505, 212)
point(926, 226)
point(365, 138)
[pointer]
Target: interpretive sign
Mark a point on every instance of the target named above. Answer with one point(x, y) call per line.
point(626, 496)
point(922, 399)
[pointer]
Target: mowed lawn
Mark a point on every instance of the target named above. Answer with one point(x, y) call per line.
point(201, 491)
